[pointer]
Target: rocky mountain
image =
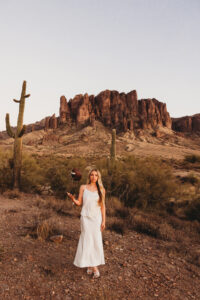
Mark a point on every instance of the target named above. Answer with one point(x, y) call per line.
point(187, 124)
point(115, 110)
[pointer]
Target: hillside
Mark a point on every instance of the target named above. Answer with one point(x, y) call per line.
point(94, 141)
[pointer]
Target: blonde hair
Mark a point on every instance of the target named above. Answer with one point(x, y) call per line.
point(99, 185)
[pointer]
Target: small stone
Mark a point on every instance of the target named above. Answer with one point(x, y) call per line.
point(56, 238)
point(129, 148)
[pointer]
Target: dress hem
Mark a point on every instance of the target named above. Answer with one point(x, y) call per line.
point(88, 266)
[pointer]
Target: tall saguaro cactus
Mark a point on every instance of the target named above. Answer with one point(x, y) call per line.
point(113, 145)
point(17, 155)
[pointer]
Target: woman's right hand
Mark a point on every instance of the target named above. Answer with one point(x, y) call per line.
point(70, 196)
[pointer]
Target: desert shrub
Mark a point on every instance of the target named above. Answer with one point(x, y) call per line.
point(150, 225)
point(45, 225)
point(50, 171)
point(191, 178)
point(112, 205)
point(58, 174)
point(5, 171)
point(192, 211)
point(32, 175)
point(60, 206)
point(192, 158)
point(119, 226)
point(144, 225)
point(43, 230)
point(166, 232)
point(139, 182)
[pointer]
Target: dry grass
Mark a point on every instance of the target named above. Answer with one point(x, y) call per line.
point(44, 225)
point(62, 207)
point(116, 225)
point(192, 158)
point(147, 224)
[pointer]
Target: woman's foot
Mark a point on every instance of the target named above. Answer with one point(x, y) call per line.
point(96, 273)
point(89, 271)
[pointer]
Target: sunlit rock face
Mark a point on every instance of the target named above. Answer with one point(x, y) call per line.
point(115, 110)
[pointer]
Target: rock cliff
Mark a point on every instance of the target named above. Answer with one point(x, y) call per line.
point(187, 124)
point(115, 110)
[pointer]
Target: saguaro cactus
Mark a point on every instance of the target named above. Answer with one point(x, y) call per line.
point(113, 145)
point(17, 155)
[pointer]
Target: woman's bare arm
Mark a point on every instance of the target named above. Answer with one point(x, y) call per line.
point(80, 196)
point(103, 212)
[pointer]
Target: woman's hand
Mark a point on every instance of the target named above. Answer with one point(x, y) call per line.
point(103, 225)
point(70, 196)
point(77, 202)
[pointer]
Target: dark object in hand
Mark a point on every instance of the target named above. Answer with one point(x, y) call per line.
point(76, 174)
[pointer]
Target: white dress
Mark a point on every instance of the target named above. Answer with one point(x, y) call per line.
point(89, 251)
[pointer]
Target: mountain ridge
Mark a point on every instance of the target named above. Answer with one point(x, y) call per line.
point(123, 111)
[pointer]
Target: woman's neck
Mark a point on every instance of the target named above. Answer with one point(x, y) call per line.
point(92, 184)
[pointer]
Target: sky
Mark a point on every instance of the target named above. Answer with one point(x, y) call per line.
point(70, 47)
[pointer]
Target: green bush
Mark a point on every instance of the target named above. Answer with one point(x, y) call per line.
point(5, 171)
point(139, 182)
point(57, 174)
point(144, 183)
point(32, 175)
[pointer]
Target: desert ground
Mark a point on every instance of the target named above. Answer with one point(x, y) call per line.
point(157, 257)
point(138, 266)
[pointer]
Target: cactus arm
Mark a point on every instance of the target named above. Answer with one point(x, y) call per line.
point(8, 128)
point(17, 101)
point(22, 131)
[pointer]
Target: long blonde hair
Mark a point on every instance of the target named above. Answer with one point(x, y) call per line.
point(99, 185)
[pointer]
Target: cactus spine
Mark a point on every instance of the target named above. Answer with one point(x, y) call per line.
point(17, 155)
point(113, 145)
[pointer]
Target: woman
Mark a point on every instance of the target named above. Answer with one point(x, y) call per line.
point(90, 246)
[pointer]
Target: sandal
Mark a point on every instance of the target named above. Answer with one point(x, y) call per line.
point(96, 274)
point(89, 271)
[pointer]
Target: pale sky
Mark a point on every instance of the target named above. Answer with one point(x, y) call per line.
point(68, 47)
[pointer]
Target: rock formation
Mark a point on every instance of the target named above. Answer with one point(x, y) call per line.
point(190, 124)
point(115, 110)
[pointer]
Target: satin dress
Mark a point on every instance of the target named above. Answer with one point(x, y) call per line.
point(89, 251)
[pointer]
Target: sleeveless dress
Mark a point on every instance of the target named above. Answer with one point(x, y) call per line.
point(89, 251)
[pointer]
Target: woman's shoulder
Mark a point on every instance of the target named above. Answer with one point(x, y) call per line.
point(82, 187)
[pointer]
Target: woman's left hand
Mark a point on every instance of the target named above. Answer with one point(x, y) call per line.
point(103, 226)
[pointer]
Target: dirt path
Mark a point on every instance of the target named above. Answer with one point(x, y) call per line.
point(137, 266)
